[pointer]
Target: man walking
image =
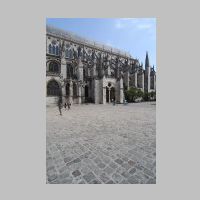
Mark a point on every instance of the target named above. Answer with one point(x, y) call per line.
point(60, 105)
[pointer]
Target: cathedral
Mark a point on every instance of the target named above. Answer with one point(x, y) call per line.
point(83, 71)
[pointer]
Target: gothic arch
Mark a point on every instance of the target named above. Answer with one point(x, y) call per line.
point(53, 66)
point(53, 88)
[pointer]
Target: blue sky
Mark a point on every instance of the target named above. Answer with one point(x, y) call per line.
point(134, 35)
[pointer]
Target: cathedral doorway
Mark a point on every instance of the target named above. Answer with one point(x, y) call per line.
point(53, 88)
point(112, 94)
point(107, 95)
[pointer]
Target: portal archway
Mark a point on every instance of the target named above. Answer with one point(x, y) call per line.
point(107, 95)
point(53, 88)
point(112, 94)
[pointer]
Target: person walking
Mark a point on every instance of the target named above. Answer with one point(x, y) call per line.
point(65, 105)
point(60, 106)
point(68, 105)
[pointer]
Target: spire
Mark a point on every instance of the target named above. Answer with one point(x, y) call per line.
point(147, 60)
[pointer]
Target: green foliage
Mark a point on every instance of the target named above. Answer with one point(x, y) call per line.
point(132, 94)
point(146, 96)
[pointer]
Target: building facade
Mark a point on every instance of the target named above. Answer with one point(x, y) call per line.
point(82, 71)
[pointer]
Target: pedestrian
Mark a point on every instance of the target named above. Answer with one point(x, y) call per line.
point(65, 105)
point(60, 106)
point(68, 105)
point(113, 100)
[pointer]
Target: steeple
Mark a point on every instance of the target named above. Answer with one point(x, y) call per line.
point(146, 60)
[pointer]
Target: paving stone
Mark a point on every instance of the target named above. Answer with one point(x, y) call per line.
point(97, 161)
point(116, 177)
point(52, 177)
point(110, 182)
point(113, 165)
point(126, 166)
point(131, 163)
point(151, 181)
point(125, 174)
point(101, 165)
point(104, 177)
point(132, 171)
point(75, 143)
point(124, 182)
point(95, 181)
point(133, 180)
point(81, 182)
point(76, 173)
point(89, 177)
point(148, 172)
point(119, 161)
point(108, 170)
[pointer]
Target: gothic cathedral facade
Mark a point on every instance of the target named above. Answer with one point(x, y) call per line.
point(82, 71)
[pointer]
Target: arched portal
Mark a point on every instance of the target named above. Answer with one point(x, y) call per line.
point(107, 95)
point(112, 94)
point(53, 88)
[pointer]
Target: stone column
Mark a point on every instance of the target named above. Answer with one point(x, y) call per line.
point(128, 80)
point(63, 67)
point(79, 94)
point(83, 94)
point(154, 79)
point(108, 95)
point(71, 92)
point(94, 68)
point(80, 70)
point(63, 93)
point(104, 95)
point(96, 92)
point(142, 81)
point(121, 91)
point(135, 79)
point(109, 72)
point(148, 79)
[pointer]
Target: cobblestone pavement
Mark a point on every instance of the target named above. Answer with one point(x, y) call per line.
point(96, 144)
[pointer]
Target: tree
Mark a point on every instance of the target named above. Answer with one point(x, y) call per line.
point(132, 94)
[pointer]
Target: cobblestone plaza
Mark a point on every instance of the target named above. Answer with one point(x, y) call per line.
point(102, 144)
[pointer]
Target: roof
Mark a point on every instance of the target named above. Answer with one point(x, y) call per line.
point(73, 37)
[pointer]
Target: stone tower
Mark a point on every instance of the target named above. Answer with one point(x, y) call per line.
point(147, 74)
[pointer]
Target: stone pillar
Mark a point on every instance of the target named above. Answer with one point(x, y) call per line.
point(109, 72)
point(79, 94)
point(142, 81)
point(63, 93)
point(71, 92)
point(108, 95)
point(63, 67)
point(94, 68)
point(96, 92)
point(83, 94)
point(135, 79)
point(80, 70)
point(148, 79)
point(121, 91)
point(154, 79)
point(104, 95)
point(128, 80)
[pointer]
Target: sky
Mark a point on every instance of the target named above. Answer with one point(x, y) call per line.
point(134, 35)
